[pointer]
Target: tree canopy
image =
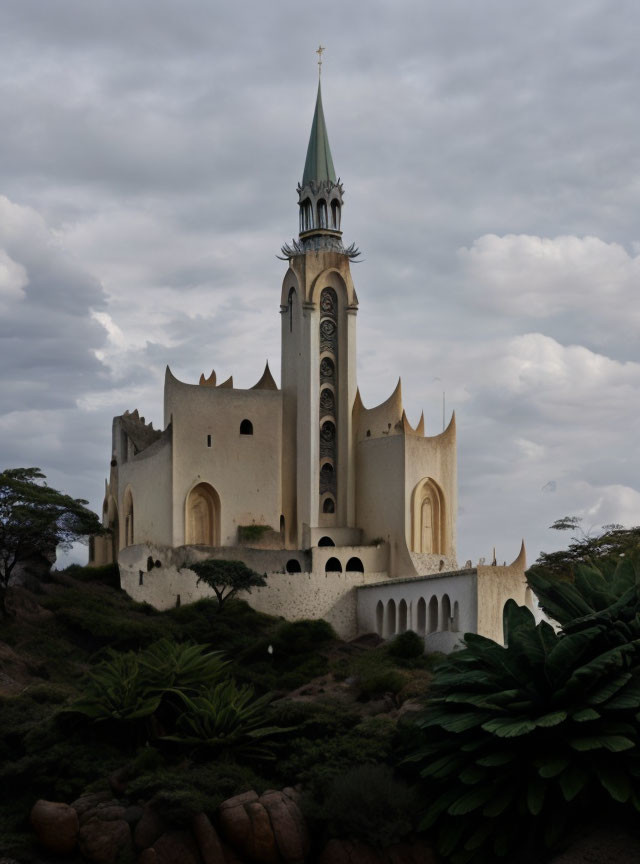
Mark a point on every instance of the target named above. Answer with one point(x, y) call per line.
point(613, 541)
point(227, 578)
point(34, 519)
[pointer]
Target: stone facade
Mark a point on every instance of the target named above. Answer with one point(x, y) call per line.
point(348, 509)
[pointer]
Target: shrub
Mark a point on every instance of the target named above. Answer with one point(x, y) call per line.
point(406, 645)
point(380, 682)
point(180, 791)
point(316, 760)
point(519, 740)
point(367, 803)
point(226, 717)
point(302, 637)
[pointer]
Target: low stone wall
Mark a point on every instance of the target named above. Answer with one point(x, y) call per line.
point(293, 596)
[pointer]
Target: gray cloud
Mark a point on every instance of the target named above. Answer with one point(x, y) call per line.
point(158, 146)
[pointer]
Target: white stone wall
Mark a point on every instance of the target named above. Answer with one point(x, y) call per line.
point(245, 470)
point(148, 476)
point(459, 587)
point(294, 596)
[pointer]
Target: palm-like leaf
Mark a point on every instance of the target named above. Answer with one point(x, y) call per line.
point(518, 738)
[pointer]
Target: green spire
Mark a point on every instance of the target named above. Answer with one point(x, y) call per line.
point(319, 164)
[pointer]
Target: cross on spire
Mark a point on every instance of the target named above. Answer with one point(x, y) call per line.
point(319, 51)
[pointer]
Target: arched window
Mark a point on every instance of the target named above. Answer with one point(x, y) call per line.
point(202, 517)
point(390, 624)
point(379, 617)
point(328, 505)
point(402, 616)
point(292, 294)
point(306, 215)
point(335, 214)
point(333, 566)
point(455, 623)
point(445, 613)
point(293, 566)
point(428, 518)
point(322, 213)
point(282, 531)
point(326, 541)
point(421, 623)
point(128, 518)
point(355, 565)
point(246, 427)
point(433, 615)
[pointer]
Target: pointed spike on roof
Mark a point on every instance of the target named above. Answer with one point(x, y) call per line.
point(266, 382)
point(318, 165)
point(357, 402)
point(210, 381)
point(420, 426)
point(228, 383)
point(521, 560)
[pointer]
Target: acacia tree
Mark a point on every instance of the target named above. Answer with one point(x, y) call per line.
point(612, 542)
point(227, 578)
point(34, 519)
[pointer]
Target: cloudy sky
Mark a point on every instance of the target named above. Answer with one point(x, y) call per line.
point(149, 155)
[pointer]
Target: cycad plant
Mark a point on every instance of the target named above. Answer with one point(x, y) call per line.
point(520, 740)
point(182, 666)
point(130, 686)
point(118, 690)
point(226, 717)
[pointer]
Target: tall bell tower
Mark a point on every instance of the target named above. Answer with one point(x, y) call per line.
point(318, 307)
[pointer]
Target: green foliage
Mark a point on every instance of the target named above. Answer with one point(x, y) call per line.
point(34, 519)
point(585, 548)
point(314, 756)
point(179, 791)
point(302, 637)
point(519, 740)
point(226, 578)
point(226, 717)
point(95, 616)
point(367, 803)
point(250, 533)
point(380, 682)
point(406, 645)
point(605, 596)
point(170, 665)
point(129, 687)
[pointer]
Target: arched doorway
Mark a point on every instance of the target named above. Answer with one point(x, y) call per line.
point(202, 518)
point(128, 518)
point(379, 617)
point(421, 615)
point(433, 615)
point(402, 616)
point(390, 624)
point(428, 518)
point(445, 613)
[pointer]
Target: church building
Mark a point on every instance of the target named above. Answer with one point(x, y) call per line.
point(350, 511)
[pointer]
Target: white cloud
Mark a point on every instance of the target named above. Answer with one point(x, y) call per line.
point(542, 277)
point(13, 278)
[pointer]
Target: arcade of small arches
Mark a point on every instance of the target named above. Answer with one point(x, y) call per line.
point(320, 216)
point(424, 618)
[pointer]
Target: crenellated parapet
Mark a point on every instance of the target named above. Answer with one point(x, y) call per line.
point(140, 433)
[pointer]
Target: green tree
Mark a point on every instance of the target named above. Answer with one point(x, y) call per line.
point(34, 519)
point(612, 542)
point(227, 578)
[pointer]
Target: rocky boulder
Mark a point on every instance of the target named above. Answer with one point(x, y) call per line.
point(102, 842)
point(269, 829)
point(56, 826)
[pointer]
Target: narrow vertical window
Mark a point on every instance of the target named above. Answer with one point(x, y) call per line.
point(208, 440)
